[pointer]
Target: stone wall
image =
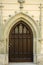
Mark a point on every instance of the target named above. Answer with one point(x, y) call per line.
point(10, 8)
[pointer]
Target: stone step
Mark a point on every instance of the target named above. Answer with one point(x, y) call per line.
point(22, 64)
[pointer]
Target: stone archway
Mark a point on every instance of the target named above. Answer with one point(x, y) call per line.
point(33, 26)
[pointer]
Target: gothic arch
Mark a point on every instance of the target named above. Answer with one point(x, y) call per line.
point(24, 17)
point(31, 23)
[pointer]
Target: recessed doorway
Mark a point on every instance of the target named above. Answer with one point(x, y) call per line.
point(21, 43)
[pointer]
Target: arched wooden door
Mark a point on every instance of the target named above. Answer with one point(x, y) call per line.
point(21, 43)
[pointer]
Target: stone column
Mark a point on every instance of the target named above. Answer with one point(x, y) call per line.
point(2, 55)
point(40, 57)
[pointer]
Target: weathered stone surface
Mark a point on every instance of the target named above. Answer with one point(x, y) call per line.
point(31, 8)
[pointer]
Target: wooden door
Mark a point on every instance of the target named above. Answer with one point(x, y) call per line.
point(21, 43)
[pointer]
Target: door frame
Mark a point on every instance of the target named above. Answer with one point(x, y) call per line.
point(33, 26)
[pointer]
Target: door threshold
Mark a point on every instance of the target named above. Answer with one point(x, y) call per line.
point(22, 63)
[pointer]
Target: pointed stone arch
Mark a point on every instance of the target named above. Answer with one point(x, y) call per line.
point(21, 16)
point(31, 23)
